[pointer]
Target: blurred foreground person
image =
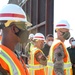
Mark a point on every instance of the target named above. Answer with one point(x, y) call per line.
point(37, 61)
point(13, 24)
point(59, 61)
point(71, 50)
point(48, 43)
point(29, 46)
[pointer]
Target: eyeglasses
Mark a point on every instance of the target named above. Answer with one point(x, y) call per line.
point(72, 40)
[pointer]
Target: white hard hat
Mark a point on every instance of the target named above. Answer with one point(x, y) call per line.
point(39, 36)
point(31, 36)
point(13, 12)
point(62, 24)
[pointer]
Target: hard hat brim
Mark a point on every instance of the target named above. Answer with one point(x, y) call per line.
point(62, 28)
point(22, 25)
point(28, 23)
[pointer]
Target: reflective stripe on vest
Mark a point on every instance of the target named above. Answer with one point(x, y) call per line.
point(36, 67)
point(66, 65)
point(50, 64)
point(13, 68)
point(31, 46)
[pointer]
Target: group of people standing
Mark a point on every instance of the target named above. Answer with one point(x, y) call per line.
point(53, 51)
point(56, 61)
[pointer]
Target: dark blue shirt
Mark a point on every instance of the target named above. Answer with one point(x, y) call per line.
point(72, 54)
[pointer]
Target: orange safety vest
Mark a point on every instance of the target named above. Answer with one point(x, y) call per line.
point(10, 62)
point(66, 59)
point(35, 68)
point(0, 37)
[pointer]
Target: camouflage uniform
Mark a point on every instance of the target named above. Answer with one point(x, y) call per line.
point(41, 58)
point(58, 60)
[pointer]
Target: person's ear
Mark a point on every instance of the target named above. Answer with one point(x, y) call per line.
point(14, 29)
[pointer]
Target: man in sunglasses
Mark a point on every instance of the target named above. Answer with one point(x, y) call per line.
point(13, 23)
point(71, 50)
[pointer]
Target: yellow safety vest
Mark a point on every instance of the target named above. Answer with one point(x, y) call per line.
point(31, 46)
point(67, 62)
point(32, 66)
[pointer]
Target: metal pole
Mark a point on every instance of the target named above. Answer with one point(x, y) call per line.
point(49, 17)
point(22, 2)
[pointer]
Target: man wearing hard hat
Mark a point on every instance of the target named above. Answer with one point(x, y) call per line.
point(59, 61)
point(29, 45)
point(13, 23)
point(37, 61)
point(31, 36)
